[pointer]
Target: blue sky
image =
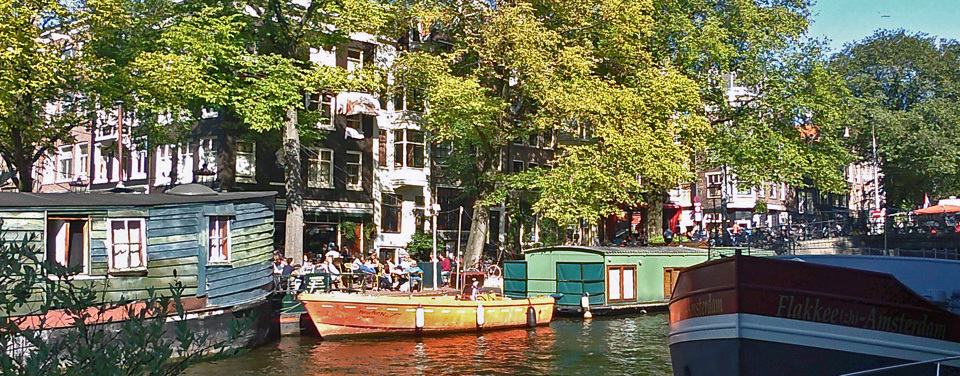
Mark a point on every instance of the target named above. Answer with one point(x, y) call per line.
point(846, 21)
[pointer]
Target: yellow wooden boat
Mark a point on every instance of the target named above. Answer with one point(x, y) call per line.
point(340, 314)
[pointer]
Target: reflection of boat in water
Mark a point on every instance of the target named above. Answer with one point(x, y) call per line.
point(814, 315)
point(337, 314)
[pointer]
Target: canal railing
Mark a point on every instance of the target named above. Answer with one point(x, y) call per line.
point(939, 362)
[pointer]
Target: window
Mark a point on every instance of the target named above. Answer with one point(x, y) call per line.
point(219, 240)
point(320, 171)
point(322, 103)
point(409, 100)
point(138, 164)
point(714, 185)
point(83, 160)
point(744, 189)
point(669, 280)
point(126, 249)
point(185, 163)
point(354, 167)
point(65, 163)
point(621, 283)
point(207, 153)
point(354, 59)
point(774, 190)
point(548, 139)
point(408, 148)
point(246, 161)
point(382, 148)
point(67, 243)
point(518, 166)
point(390, 213)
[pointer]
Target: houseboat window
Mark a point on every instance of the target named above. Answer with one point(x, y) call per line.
point(669, 280)
point(246, 161)
point(621, 283)
point(66, 243)
point(127, 244)
point(320, 170)
point(354, 167)
point(219, 240)
point(390, 214)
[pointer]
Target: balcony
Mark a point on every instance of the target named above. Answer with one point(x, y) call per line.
point(405, 176)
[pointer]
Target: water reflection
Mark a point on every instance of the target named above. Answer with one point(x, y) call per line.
point(626, 345)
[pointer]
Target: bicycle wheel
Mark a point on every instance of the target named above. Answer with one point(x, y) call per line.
point(492, 271)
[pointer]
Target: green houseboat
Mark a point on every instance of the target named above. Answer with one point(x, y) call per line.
point(219, 246)
point(615, 279)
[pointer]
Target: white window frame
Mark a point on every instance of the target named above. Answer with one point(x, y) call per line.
point(219, 250)
point(207, 155)
point(112, 244)
point(316, 162)
point(246, 161)
point(324, 104)
point(82, 158)
point(714, 179)
point(60, 243)
point(65, 164)
point(739, 189)
point(350, 167)
point(354, 64)
point(138, 164)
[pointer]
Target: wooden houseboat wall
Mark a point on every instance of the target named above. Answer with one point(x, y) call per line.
point(644, 275)
point(176, 240)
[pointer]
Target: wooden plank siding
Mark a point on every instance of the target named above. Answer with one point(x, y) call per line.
point(176, 249)
point(250, 269)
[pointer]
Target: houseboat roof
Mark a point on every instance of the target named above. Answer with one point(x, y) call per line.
point(97, 199)
point(626, 251)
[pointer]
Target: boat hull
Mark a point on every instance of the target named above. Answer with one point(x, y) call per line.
point(340, 315)
point(759, 316)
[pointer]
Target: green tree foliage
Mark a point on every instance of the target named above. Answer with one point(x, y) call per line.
point(41, 293)
point(906, 88)
point(40, 72)
point(638, 83)
point(420, 246)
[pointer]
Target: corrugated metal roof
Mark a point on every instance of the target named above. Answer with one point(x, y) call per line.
point(625, 251)
point(97, 199)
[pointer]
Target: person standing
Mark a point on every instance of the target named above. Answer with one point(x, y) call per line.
point(445, 268)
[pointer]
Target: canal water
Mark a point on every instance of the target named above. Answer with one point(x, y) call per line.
point(632, 345)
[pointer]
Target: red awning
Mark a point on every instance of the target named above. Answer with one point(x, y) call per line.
point(938, 209)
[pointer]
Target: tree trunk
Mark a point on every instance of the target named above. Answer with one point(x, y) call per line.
point(24, 177)
point(478, 236)
point(655, 215)
point(293, 244)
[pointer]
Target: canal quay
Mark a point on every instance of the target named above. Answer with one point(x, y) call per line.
point(628, 345)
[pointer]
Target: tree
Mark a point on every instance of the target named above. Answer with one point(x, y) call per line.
point(280, 74)
point(905, 87)
point(32, 290)
point(41, 72)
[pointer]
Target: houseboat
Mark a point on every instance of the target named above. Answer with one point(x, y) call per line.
point(614, 279)
point(217, 245)
point(816, 315)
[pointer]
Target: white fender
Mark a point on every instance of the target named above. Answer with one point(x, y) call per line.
point(420, 318)
point(480, 316)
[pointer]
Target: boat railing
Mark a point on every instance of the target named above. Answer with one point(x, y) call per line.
point(939, 362)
